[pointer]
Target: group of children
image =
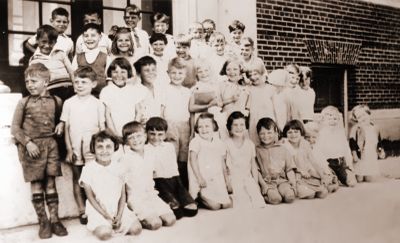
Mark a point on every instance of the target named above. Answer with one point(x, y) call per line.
point(151, 136)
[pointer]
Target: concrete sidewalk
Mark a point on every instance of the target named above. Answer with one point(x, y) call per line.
point(370, 212)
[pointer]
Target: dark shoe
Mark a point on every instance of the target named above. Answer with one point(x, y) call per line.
point(83, 219)
point(58, 229)
point(45, 229)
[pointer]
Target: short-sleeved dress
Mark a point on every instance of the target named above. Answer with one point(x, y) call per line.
point(106, 183)
point(246, 191)
point(210, 157)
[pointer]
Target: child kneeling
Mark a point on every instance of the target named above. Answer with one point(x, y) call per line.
point(105, 190)
point(142, 197)
point(166, 175)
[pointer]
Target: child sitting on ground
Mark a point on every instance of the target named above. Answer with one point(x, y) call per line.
point(277, 168)
point(208, 178)
point(142, 197)
point(105, 189)
point(166, 175)
point(33, 127)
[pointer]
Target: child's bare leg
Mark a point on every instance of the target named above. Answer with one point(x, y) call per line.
point(322, 194)
point(135, 228)
point(287, 192)
point(168, 219)
point(78, 191)
point(52, 203)
point(103, 232)
point(351, 178)
point(210, 204)
point(152, 223)
point(359, 178)
point(273, 196)
point(304, 192)
point(38, 205)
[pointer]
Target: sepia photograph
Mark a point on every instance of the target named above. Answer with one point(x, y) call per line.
point(175, 121)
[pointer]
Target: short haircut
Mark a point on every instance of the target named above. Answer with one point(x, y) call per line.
point(363, 107)
point(37, 70)
point(267, 123)
point(182, 39)
point(59, 11)
point(206, 115)
point(121, 62)
point(131, 128)
point(118, 31)
point(294, 125)
point(144, 61)
point(156, 124)
point(91, 11)
point(132, 10)
point(247, 41)
point(195, 25)
point(92, 26)
point(217, 37)
point(158, 36)
point(236, 25)
point(311, 128)
point(257, 65)
point(48, 30)
point(209, 21)
point(86, 72)
point(229, 61)
point(305, 73)
point(235, 116)
point(100, 137)
point(159, 17)
point(177, 62)
point(294, 66)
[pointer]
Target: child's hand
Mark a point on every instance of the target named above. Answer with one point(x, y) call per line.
point(235, 97)
point(229, 187)
point(70, 157)
point(305, 174)
point(202, 182)
point(355, 159)
point(59, 130)
point(264, 190)
point(116, 222)
point(33, 150)
point(213, 102)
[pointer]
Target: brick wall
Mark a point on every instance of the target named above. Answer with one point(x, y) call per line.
point(283, 25)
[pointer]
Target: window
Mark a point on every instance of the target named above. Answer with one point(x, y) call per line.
point(24, 17)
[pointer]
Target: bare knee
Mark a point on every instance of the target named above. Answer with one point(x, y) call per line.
point(273, 197)
point(168, 219)
point(103, 232)
point(51, 185)
point(304, 192)
point(322, 194)
point(152, 223)
point(359, 178)
point(135, 229)
point(211, 204)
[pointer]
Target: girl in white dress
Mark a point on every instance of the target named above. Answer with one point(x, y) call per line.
point(241, 164)
point(208, 178)
point(105, 189)
point(364, 144)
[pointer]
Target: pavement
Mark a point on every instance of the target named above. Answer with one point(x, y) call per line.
point(368, 213)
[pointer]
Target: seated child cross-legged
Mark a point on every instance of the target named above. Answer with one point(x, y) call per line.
point(143, 199)
point(276, 165)
point(105, 190)
point(166, 175)
point(310, 177)
point(208, 178)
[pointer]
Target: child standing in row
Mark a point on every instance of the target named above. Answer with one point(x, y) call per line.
point(217, 56)
point(166, 175)
point(160, 23)
point(177, 114)
point(280, 100)
point(364, 141)
point(78, 131)
point(208, 178)
point(236, 29)
point(182, 43)
point(105, 189)
point(306, 98)
point(241, 164)
point(158, 43)
point(277, 168)
point(122, 45)
point(142, 197)
point(33, 126)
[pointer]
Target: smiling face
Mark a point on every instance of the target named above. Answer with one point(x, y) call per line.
point(331, 117)
point(293, 76)
point(238, 128)
point(158, 47)
point(160, 27)
point(83, 86)
point(219, 47)
point(208, 29)
point(267, 136)
point(45, 45)
point(233, 71)
point(103, 150)
point(36, 85)
point(197, 33)
point(119, 76)
point(177, 75)
point(60, 23)
point(124, 42)
point(246, 51)
point(136, 140)
point(131, 20)
point(205, 128)
point(155, 137)
point(91, 38)
point(237, 36)
point(182, 51)
point(256, 77)
point(91, 18)
point(293, 136)
point(148, 73)
point(203, 73)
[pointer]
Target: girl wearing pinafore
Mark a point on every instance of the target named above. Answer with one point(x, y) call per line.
point(364, 139)
point(242, 165)
point(208, 177)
